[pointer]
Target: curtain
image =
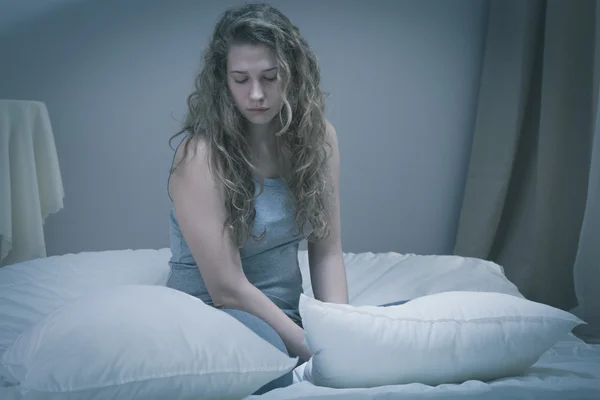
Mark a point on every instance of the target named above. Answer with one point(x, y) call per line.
point(531, 200)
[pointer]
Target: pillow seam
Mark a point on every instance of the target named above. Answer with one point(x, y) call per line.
point(476, 320)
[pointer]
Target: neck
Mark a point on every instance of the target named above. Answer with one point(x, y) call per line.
point(262, 135)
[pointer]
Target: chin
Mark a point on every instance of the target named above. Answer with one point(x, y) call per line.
point(260, 119)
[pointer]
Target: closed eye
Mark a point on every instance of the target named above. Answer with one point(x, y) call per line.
point(273, 79)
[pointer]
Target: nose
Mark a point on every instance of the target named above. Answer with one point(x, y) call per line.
point(256, 92)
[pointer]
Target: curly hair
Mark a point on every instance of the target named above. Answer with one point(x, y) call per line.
point(212, 113)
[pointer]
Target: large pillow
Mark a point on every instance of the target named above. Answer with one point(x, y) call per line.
point(379, 278)
point(32, 289)
point(449, 337)
point(142, 342)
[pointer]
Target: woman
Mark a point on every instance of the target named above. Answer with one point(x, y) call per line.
point(256, 173)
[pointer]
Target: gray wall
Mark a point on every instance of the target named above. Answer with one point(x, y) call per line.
point(403, 78)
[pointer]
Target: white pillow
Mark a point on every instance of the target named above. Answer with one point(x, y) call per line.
point(32, 289)
point(142, 342)
point(448, 337)
point(379, 278)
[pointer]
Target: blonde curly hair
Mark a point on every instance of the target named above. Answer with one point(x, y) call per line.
point(212, 113)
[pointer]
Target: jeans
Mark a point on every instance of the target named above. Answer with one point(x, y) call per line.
point(264, 330)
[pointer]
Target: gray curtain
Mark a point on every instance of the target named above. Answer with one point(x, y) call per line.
point(531, 201)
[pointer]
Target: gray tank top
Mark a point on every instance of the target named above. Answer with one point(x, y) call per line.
point(270, 264)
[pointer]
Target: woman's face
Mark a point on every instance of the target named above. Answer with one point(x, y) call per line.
point(254, 83)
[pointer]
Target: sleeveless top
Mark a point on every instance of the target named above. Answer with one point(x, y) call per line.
point(271, 263)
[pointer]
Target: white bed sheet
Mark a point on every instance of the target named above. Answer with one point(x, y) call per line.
point(9, 393)
point(571, 370)
point(8, 390)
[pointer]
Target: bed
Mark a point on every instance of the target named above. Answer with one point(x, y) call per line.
point(569, 370)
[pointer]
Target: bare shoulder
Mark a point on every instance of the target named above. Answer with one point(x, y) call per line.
point(330, 133)
point(192, 166)
point(332, 140)
point(191, 153)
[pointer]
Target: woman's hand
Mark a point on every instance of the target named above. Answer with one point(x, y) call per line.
point(300, 349)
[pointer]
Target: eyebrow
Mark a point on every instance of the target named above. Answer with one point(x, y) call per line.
point(245, 72)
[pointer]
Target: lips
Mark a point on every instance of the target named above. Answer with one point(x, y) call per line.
point(257, 109)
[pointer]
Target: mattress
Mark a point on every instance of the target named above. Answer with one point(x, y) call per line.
point(570, 370)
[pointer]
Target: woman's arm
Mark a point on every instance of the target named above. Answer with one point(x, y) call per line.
point(199, 207)
point(326, 260)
